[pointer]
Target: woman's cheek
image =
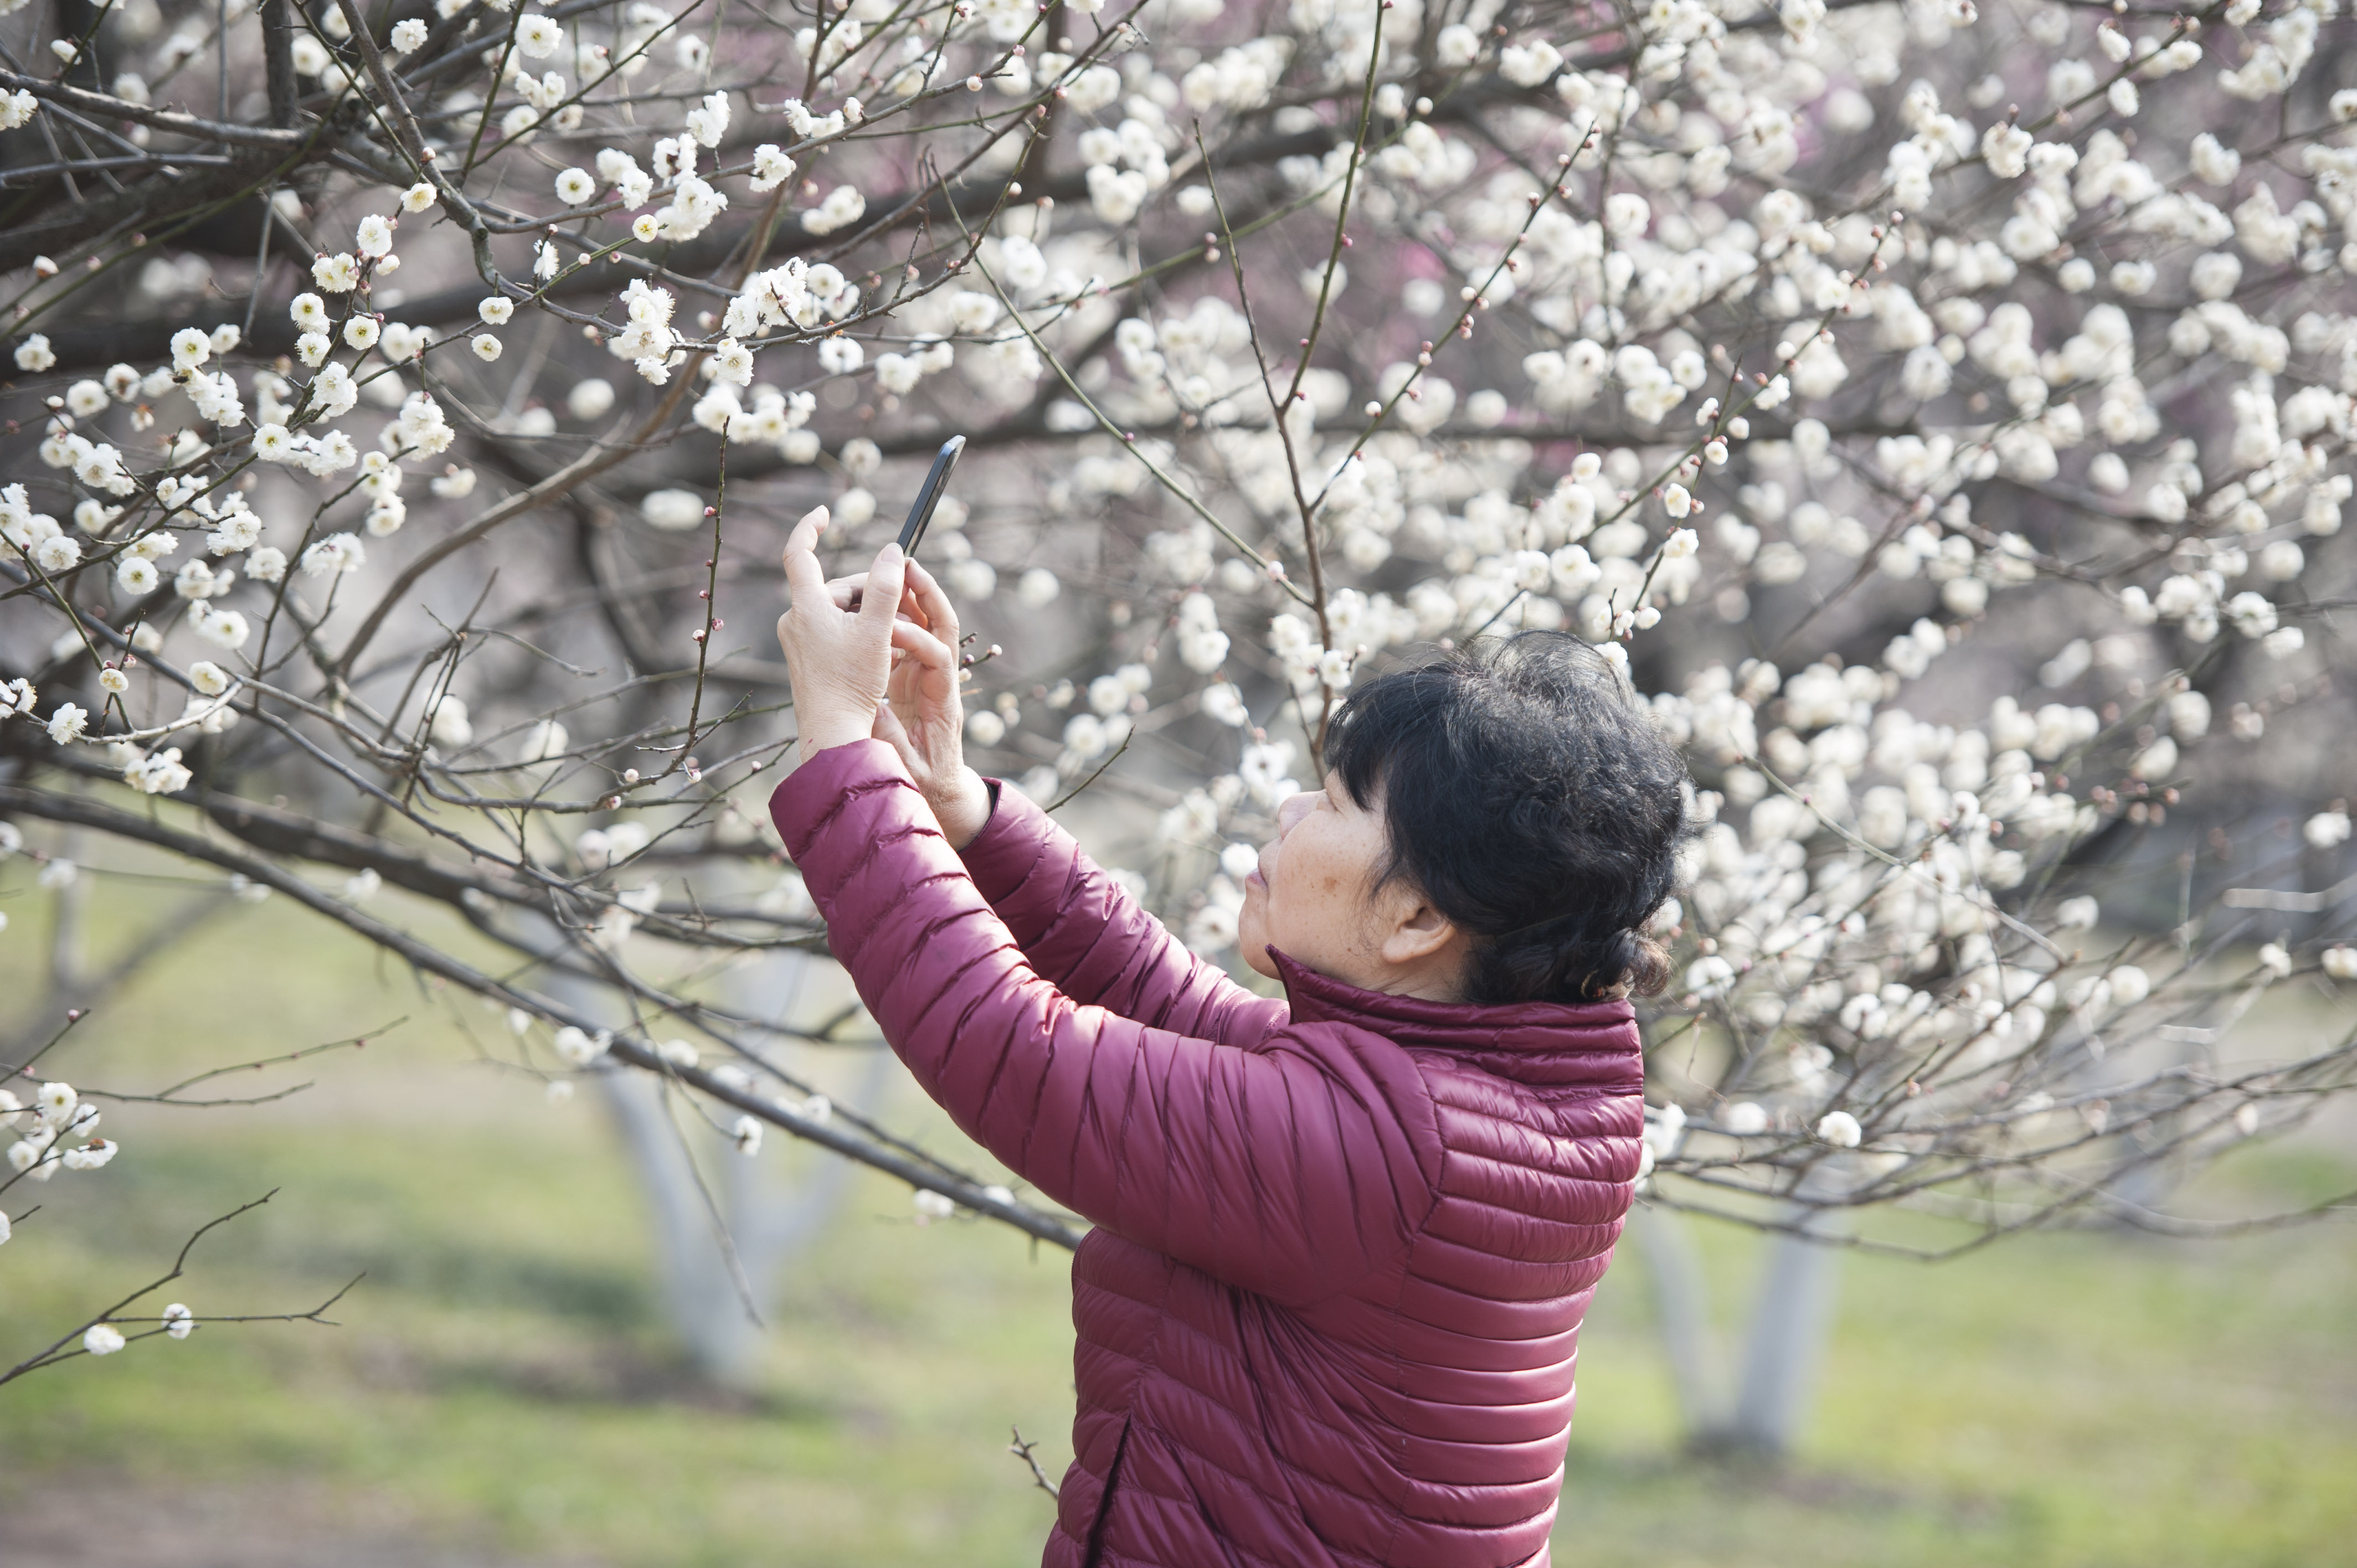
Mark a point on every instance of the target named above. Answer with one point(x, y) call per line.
point(1254, 937)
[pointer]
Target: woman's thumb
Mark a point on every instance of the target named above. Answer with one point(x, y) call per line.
point(881, 600)
point(890, 730)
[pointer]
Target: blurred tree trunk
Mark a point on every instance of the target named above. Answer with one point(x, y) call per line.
point(73, 980)
point(1681, 1306)
point(722, 1241)
point(1790, 1319)
point(1784, 1337)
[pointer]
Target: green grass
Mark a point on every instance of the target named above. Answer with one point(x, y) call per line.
point(501, 1378)
point(2060, 1400)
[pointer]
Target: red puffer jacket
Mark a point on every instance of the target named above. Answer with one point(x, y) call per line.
point(1329, 1311)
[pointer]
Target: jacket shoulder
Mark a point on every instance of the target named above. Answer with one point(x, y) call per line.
point(1556, 1154)
point(1369, 1069)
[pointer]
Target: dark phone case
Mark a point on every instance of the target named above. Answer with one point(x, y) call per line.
point(937, 484)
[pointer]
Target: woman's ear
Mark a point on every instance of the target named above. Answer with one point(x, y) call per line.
point(1416, 932)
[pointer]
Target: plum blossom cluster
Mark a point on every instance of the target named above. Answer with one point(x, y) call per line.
point(1940, 418)
point(57, 1130)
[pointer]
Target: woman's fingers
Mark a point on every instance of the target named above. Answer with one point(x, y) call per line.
point(850, 593)
point(890, 730)
point(920, 766)
point(938, 613)
point(922, 646)
point(804, 580)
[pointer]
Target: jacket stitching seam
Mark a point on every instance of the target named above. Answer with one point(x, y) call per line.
point(1399, 1317)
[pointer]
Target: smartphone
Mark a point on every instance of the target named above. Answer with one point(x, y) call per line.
point(937, 483)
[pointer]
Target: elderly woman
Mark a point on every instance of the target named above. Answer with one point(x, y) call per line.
point(1343, 1240)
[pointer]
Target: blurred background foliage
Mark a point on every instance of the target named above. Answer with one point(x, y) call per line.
point(502, 1391)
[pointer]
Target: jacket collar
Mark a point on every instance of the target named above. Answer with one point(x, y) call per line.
point(1553, 1043)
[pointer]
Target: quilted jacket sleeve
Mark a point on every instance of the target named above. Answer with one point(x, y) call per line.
point(1293, 1169)
point(1083, 932)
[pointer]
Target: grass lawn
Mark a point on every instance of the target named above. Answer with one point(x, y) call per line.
point(500, 1389)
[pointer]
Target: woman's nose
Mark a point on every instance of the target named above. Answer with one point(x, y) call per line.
point(1292, 809)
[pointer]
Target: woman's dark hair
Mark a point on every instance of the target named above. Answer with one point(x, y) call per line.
point(1533, 800)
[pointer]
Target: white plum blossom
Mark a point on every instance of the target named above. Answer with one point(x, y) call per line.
point(708, 122)
point(334, 556)
point(68, 723)
point(2006, 149)
point(538, 35)
point(733, 362)
point(1745, 1119)
point(772, 168)
point(590, 399)
point(222, 628)
point(843, 206)
point(672, 510)
point(1840, 1129)
point(156, 773)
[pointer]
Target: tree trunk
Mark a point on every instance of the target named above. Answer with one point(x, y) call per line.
point(718, 1274)
point(1783, 1341)
point(1682, 1304)
point(1791, 1320)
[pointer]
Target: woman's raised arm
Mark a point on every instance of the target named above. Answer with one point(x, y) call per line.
point(1081, 930)
point(887, 664)
point(1293, 1169)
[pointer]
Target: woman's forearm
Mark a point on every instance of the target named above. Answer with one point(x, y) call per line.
point(1082, 929)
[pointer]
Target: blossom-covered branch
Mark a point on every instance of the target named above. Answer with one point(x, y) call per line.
point(1943, 419)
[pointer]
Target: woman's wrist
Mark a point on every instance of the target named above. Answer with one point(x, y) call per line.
point(821, 729)
point(963, 810)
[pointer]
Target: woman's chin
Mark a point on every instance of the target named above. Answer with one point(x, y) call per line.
point(1252, 939)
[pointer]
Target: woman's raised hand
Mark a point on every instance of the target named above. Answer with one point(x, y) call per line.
point(876, 656)
point(838, 661)
point(923, 718)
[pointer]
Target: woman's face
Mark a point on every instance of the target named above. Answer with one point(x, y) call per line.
point(1313, 898)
